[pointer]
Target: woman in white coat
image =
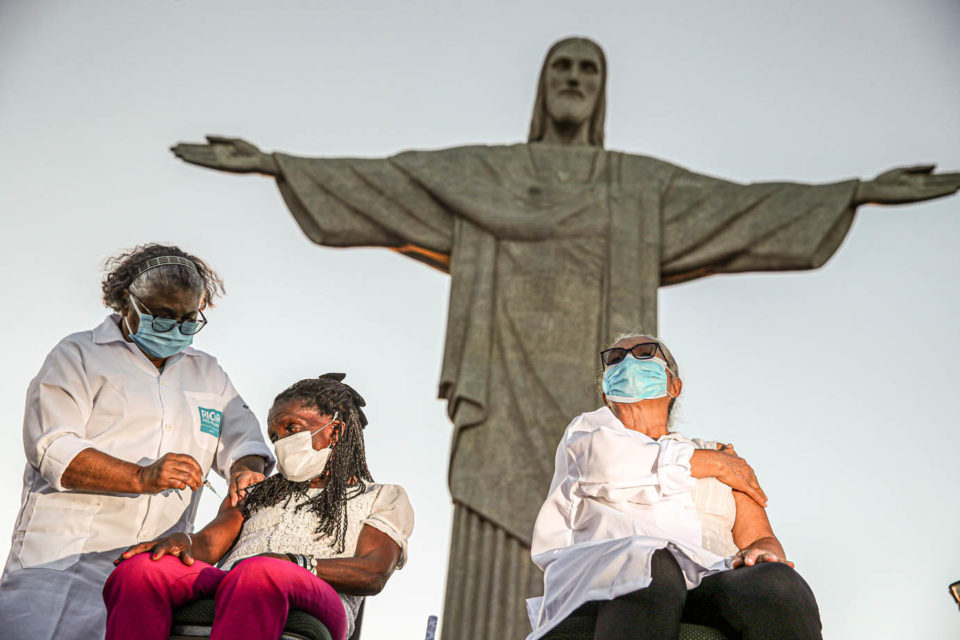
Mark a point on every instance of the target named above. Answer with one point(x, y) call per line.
point(122, 424)
point(646, 528)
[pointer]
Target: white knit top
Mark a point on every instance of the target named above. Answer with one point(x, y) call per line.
point(287, 530)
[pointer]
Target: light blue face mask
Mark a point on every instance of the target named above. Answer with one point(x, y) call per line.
point(633, 380)
point(155, 343)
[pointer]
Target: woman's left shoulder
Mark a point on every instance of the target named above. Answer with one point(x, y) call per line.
point(699, 443)
point(390, 502)
point(382, 491)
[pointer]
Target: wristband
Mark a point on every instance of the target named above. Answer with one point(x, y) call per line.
point(307, 562)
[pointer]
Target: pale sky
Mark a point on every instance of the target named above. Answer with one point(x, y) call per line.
point(837, 385)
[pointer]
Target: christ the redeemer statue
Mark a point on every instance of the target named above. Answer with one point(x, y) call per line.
point(553, 247)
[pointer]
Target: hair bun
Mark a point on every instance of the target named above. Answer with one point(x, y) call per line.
point(357, 398)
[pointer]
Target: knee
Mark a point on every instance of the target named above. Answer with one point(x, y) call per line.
point(781, 588)
point(137, 574)
point(260, 571)
point(258, 566)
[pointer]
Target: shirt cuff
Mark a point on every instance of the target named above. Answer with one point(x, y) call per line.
point(252, 448)
point(58, 456)
point(673, 467)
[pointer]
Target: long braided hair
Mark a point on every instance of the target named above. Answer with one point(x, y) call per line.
point(346, 472)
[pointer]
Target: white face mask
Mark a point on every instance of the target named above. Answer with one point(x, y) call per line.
point(297, 460)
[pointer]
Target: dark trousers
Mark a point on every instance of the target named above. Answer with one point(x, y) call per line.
point(768, 601)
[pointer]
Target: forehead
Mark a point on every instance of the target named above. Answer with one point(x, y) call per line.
point(172, 297)
point(295, 409)
point(626, 343)
point(290, 408)
point(577, 50)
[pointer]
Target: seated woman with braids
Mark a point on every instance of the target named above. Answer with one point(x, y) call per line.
point(318, 537)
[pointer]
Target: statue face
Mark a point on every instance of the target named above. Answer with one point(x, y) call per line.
point(573, 82)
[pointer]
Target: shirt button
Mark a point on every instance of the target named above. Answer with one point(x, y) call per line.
point(167, 427)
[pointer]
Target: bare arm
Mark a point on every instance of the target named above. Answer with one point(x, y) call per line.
point(753, 535)
point(93, 470)
point(729, 468)
point(366, 573)
point(244, 472)
point(208, 545)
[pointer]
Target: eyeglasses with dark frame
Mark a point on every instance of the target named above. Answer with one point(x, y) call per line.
point(163, 325)
point(642, 351)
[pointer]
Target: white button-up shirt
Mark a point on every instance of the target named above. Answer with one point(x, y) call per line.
point(96, 390)
point(618, 496)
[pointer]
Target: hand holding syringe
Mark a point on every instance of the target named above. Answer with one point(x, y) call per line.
point(209, 485)
point(170, 472)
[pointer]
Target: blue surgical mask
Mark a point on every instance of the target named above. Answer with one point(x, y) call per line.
point(154, 343)
point(633, 380)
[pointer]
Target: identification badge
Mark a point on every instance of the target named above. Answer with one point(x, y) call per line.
point(210, 420)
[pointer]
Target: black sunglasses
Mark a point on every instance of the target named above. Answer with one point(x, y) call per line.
point(642, 351)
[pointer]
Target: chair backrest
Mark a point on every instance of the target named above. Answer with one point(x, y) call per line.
point(358, 622)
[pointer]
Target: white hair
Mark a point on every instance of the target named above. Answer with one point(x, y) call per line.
point(165, 278)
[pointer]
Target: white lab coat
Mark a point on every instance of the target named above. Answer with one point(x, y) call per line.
point(97, 390)
point(618, 496)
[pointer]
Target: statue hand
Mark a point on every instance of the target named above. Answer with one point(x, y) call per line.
point(227, 154)
point(907, 184)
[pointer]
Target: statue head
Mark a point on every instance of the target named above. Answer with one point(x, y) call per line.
point(571, 93)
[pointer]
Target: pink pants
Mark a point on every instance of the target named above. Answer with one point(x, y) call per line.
point(251, 601)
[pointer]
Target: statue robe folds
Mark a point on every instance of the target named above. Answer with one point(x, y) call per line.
point(547, 265)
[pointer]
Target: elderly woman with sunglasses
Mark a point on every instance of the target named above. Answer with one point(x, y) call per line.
point(645, 528)
point(121, 426)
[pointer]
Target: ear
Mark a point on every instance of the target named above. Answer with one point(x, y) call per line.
point(337, 428)
point(674, 385)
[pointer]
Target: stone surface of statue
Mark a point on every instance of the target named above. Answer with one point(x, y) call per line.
point(553, 247)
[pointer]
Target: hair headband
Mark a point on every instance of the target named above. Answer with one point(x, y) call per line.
point(162, 261)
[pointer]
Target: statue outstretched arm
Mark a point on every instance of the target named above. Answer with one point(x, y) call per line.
point(227, 154)
point(903, 185)
point(345, 202)
point(714, 226)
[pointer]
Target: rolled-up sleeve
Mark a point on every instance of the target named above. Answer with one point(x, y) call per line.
point(59, 402)
point(393, 515)
point(618, 467)
point(240, 435)
point(673, 467)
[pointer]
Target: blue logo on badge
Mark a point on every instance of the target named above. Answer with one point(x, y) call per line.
point(210, 420)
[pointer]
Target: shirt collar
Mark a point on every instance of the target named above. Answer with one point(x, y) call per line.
point(109, 331)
